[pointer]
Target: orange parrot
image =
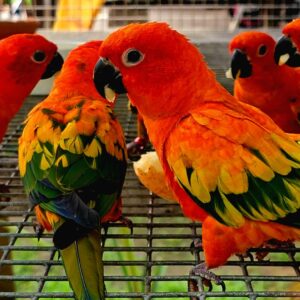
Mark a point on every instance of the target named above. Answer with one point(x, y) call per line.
point(259, 81)
point(25, 59)
point(287, 52)
point(72, 160)
point(229, 165)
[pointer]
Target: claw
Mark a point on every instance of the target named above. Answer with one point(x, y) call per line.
point(246, 255)
point(196, 245)
point(105, 229)
point(274, 244)
point(126, 222)
point(207, 276)
point(38, 229)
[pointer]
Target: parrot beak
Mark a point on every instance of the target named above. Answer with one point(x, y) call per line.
point(240, 66)
point(108, 80)
point(54, 66)
point(286, 53)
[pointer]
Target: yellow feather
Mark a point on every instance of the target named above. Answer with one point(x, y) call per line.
point(93, 149)
point(38, 148)
point(294, 191)
point(280, 212)
point(63, 160)
point(230, 215)
point(73, 145)
point(288, 145)
point(257, 168)
point(275, 158)
point(180, 170)
point(70, 131)
point(267, 215)
point(198, 188)
point(257, 215)
point(47, 153)
point(44, 165)
point(233, 183)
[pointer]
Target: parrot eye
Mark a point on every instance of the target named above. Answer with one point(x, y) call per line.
point(39, 56)
point(132, 57)
point(262, 50)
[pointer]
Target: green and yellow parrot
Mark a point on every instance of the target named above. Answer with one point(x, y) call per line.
point(72, 159)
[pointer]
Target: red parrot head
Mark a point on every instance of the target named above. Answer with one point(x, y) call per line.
point(252, 53)
point(30, 57)
point(153, 64)
point(287, 49)
point(76, 76)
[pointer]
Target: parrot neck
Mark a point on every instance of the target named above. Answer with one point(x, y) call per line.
point(73, 81)
point(13, 101)
point(177, 98)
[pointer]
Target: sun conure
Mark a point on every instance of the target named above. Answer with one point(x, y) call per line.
point(259, 81)
point(287, 52)
point(72, 160)
point(229, 165)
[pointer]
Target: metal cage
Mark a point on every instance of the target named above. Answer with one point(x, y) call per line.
point(154, 262)
point(185, 15)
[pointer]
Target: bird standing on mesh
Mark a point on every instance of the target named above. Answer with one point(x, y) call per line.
point(230, 166)
point(72, 159)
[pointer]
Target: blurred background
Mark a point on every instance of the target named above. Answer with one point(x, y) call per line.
point(189, 16)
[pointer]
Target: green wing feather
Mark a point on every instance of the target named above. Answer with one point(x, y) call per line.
point(70, 160)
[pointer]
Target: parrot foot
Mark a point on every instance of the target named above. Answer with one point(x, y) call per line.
point(136, 147)
point(275, 244)
point(123, 220)
point(207, 277)
point(38, 228)
point(126, 222)
point(105, 227)
point(196, 245)
point(245, 255)
point(5, 190)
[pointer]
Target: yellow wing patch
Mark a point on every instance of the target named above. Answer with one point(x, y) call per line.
point(219, 152)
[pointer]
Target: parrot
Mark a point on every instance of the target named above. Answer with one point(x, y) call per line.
point(73, 160)
point(287, 52)
point(228, 164)
point(287, 49)
point(26, 58)
point(259, 81)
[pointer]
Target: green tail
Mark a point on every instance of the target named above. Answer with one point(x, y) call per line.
point(84, 267)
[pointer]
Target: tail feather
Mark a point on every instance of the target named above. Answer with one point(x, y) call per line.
point(84, 267)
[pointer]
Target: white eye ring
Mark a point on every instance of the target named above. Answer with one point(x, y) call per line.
point(262, 50)
point(39, 56)
point(132, 57)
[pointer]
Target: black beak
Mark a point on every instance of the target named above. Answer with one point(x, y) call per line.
point(54, 66)
point(106, 77)
point(240, 65)
point(286, 53)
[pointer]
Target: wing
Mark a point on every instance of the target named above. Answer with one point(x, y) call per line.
point(72, 153)
point(235, 168)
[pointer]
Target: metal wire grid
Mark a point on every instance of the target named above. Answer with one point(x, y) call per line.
point(154, 262)
point(186, 15)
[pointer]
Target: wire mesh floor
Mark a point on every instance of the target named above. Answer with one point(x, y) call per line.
point(154, 262)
